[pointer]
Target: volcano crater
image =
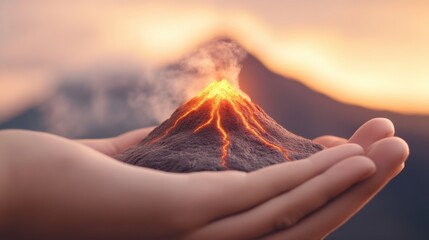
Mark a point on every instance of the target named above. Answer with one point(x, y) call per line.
point(217, 130)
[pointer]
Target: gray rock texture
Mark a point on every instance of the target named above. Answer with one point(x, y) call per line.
point(253, 139)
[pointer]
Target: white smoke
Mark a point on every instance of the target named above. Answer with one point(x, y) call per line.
point(174, 84)
point(112, 100)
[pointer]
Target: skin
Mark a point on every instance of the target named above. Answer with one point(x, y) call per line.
point(57, 188)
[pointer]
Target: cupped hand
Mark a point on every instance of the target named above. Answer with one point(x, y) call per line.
point(388, 153)
point(103, 198)
point(376, 139)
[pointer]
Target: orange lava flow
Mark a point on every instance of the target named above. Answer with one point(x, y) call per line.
point(253, 131)
point(179, 119)
point(224, 138)
point(221, 92)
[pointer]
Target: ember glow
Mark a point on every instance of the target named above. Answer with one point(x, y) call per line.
point(221, 95)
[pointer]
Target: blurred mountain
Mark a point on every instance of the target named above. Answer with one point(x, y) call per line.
point(398, 212)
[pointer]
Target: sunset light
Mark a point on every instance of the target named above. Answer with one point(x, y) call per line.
point(381, 64)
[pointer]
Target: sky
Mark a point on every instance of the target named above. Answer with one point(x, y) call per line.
point(369, 53)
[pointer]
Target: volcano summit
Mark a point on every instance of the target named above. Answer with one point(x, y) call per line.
point(219, 129)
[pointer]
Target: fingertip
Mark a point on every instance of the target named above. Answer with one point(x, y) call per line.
point(401, 147)
point(399, 169)
point(330, 141)
point(372, 131)
point(393, 149)
point(383, 125)
point(368, 165)
point(364, 164)
point(396, 146)
point(339, 152)
point(355, 147)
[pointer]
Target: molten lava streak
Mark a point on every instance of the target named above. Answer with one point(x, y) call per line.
point(219, 93)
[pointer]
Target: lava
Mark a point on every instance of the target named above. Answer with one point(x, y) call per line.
point(219, 93)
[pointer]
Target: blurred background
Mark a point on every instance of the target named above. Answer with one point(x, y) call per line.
point(99, 68)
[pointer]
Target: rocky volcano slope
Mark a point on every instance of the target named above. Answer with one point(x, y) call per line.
point(219, 129)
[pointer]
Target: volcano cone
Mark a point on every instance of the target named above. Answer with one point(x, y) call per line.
point(219, 129)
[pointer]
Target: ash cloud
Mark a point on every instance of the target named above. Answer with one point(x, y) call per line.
point(107, 101)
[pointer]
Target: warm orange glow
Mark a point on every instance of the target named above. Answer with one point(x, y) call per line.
point(181, 118)
point(374, 54)
point(18, 94)
point(221, 94)
point(225, 139)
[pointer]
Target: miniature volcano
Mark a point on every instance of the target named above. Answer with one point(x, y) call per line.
point(219, 129)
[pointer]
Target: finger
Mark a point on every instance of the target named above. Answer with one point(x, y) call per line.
point(126, 140)
point(116, 145)
point(330, 141)
point(284, 211)
point(259, 186)
point(372, 131)
point(389, 155)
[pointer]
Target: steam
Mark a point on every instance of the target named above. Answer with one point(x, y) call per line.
point(110, 100)
point(176, 83)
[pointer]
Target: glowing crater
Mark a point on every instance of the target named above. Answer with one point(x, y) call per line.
point(219, 94)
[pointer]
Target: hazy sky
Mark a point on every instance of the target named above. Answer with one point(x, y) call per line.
point(370, 53)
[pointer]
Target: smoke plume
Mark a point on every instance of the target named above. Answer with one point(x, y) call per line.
point(106, 101)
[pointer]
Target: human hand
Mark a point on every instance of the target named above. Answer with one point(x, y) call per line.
point(271, 202)
point(287, 179)
point(376, 137)
point(388, 153)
